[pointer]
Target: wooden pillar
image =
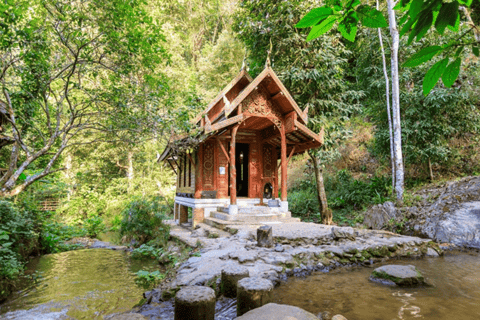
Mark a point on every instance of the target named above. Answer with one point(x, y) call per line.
point(284, 163)
point(183, 212)
point(233, 170)
point(199, 173)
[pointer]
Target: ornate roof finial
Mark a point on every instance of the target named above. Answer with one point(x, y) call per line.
point(269, 52)
point(244, 63)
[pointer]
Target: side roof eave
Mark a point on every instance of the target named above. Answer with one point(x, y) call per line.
point(266, 72)
point(243, 73)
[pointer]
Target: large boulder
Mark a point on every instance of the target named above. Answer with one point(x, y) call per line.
point(278, 312)
point(460, 225)
point(398, 275)
point(380, 215)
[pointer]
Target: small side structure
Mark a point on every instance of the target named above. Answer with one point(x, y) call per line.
point(230, 166)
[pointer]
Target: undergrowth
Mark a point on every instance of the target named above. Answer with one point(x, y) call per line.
point(346, 196)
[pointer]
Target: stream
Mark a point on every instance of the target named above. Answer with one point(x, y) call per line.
point(88, 284)
point(454, 291)
point(81, 284)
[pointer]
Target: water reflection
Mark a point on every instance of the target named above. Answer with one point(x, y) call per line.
point(83, 284)
point(454, 292)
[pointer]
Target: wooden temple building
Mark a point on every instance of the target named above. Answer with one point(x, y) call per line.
point(236, 165)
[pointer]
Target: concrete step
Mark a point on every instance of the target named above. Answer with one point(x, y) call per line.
point(247, 209)
point(249, 218)
point(221, 224)
point(231, 224)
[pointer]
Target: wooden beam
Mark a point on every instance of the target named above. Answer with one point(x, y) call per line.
point(223, 149)
point(291, 154)
point(191, 160)
point(307, 131)
point(227, 122)
point(171, 166)
point(278, 95)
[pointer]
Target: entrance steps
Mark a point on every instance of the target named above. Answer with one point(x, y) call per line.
point(231, 224)
point(248, 215)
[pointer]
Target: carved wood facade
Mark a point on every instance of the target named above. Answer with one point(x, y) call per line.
point(257, 117)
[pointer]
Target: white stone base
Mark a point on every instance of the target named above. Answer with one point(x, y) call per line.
point(211, 205)
point(232, 209)
point(283, 206)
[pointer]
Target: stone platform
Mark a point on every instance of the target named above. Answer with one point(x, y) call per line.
point(254, 215)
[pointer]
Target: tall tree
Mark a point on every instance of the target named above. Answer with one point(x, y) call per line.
point(71, 74)
point(315, 72)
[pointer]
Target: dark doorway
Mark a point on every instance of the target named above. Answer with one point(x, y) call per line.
point(241, 164)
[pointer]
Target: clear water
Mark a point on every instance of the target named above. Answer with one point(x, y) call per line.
point(454, 292)
point(88, 284)
point(82, 284)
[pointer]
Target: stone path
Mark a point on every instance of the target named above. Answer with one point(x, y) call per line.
point(300, 249)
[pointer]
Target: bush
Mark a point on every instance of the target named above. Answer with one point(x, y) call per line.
point(54, 234)
point(18, 240)
point(93, 226)
point(143, 221)
point(146, 252)
point(344, 194)
point(348, 192)
point(147, 279)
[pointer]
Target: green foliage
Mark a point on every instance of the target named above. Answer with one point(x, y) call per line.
point(54, 234)
point(98, 56)
point(93, 226)
point(143, 221)
point(147, 252)
point(324, 18)
point(418, 17)
point(17, 239)
point(148, 280)
point(346, 196)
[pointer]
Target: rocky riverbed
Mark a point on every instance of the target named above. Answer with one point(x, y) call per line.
point(299, 249)
point(446, 213)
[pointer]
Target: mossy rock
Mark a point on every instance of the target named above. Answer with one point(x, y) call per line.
point(170, 293)
point(399, 275)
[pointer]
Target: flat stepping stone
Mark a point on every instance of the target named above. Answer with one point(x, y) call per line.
point(399, 275)
point(253, 293)
point(195, 303)
point(278, 312)
point(230, 277)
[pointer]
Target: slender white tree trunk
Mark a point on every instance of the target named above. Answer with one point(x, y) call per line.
point(130, 170)
point(387, 92)
point(397, 138)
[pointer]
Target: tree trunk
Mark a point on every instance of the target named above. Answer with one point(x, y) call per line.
point(321, 195)
point(130, 169)
point(68, 175)
point(399, 174)
point(387, 95)
point(430, 169)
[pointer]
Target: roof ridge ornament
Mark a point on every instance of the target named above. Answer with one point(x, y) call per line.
point(208, 124)
point(269, 52)
point(226, 106)
point(244, 63)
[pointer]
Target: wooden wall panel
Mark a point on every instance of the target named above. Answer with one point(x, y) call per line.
point(222, 180)
point(209, 165)
point(254, 169)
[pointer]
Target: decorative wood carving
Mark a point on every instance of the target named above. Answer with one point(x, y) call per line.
point(267, 160)
point(208, 163)
point(290, 122)
point(258, 103)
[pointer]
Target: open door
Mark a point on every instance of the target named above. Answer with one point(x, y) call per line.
point(241, 164)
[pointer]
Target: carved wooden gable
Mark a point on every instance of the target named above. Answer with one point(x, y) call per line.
point(258, 103)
